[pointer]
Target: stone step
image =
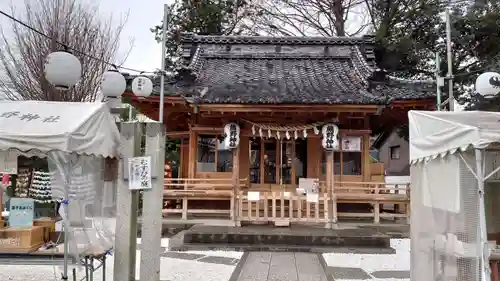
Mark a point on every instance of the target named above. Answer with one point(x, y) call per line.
point(267, 236)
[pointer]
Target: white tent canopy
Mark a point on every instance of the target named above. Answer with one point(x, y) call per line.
point(71, 127)
point(448, 152)
point(437, 133)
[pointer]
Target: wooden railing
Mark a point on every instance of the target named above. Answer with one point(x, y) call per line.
point(376, 194)
point(199, 189)
point(282, 207)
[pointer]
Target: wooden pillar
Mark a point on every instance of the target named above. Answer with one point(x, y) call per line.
point(235, 216)
point(366, 158)
point(244, 153)
point(193, 145)
point(332, 215)
point(314, 151)
point(294, 182)
point(182, 152)
point(278, 161)
point(262, 166)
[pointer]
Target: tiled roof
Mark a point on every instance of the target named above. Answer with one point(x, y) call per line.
point(288, 70)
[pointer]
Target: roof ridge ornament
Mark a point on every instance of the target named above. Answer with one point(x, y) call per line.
point(280, 40)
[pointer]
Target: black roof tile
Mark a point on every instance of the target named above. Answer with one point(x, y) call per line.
point(288, 70)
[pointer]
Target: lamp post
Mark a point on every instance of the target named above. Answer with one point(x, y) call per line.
point(63, 70)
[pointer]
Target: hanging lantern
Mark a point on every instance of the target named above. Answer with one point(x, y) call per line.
point(142, 86)
point(253, 130)
point(232, 135)
point(316, 130)
point(304, 133)
point(287, 134)
point(488, 84)
point(62, 70)
point(295, 134)
point(260, 132)
point(269, 135)
point(113, 84)
point(330, 140)
point(278, 136)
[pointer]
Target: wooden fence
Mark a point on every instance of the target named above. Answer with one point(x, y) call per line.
point(281, 208)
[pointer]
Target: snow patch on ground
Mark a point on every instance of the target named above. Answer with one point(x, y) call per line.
point(375, 262)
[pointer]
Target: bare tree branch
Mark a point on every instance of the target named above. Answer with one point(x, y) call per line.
point(76, 25)
point(307, 17)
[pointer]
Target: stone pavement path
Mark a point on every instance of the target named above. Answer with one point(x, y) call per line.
point(280, 266)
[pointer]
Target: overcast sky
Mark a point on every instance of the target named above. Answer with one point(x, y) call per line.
point(146, 52)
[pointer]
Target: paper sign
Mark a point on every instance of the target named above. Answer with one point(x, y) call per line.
point(139, 173)
point(21, 212)
point(312, 197)
point(308, 184)
point(351, 143)
point(253, 196)
point(286, 194)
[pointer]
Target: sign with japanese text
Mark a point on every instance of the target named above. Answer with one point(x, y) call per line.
point(10, 242)
point(28, 117)
point(22, 212)
point(139, 173)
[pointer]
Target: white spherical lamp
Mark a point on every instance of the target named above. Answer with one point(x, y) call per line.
point(113, 84)
point(142, 86)
point(62, 69)
point(488, 84)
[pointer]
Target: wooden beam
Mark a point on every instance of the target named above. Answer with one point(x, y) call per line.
point(176, 135)
point(207, 129)
point(155, 99)
point(424, 103)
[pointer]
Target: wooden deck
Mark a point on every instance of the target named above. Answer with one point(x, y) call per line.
point(229, 198)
